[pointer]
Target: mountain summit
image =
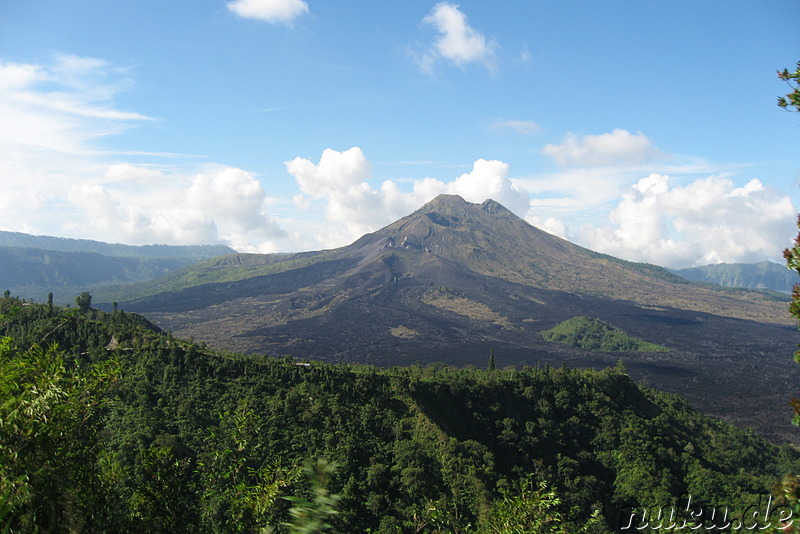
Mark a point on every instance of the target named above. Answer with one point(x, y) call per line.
point(486, 238)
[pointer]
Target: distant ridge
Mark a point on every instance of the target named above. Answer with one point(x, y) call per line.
point(33, 266)
point(64, 244)
point(762, 275)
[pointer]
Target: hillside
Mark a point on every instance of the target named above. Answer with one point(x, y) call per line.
point(149, 433)
point(763, 275)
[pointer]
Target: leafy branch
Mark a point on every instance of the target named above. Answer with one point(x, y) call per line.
point(790, 102)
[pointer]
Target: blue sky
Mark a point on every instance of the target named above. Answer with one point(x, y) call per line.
point(647, 130)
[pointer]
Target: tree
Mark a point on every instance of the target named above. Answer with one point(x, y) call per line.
point(792, 256)
point(84, 301)
point(790, 102)
point(50, 474)
point(788, 491)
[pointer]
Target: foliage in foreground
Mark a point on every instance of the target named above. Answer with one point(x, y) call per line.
point(108, 425)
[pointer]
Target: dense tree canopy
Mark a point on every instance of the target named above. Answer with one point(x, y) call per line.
point(127, 429)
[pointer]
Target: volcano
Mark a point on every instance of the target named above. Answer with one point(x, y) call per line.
point(456, 282)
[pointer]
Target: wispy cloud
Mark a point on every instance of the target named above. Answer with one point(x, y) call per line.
point(55, 116)
point(524, 56)
point(63, 105)
point(519, 126)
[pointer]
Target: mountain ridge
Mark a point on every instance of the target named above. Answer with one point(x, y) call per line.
point(418, 231)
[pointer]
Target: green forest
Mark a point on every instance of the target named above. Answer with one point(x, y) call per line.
point(108, 424)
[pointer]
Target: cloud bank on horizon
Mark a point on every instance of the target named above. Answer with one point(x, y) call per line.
point(613, 191)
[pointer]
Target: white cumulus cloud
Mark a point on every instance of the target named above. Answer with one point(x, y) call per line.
point(232, 196)
point(109, 215)
point(352, 207)
point(710, 220)
point(222, 204)
point(458, 42)
point(273, 11)
point(340, 178)
point(489, 179)
point(336, 172)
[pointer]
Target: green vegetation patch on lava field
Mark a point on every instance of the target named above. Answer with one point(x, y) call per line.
point(596, 335)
